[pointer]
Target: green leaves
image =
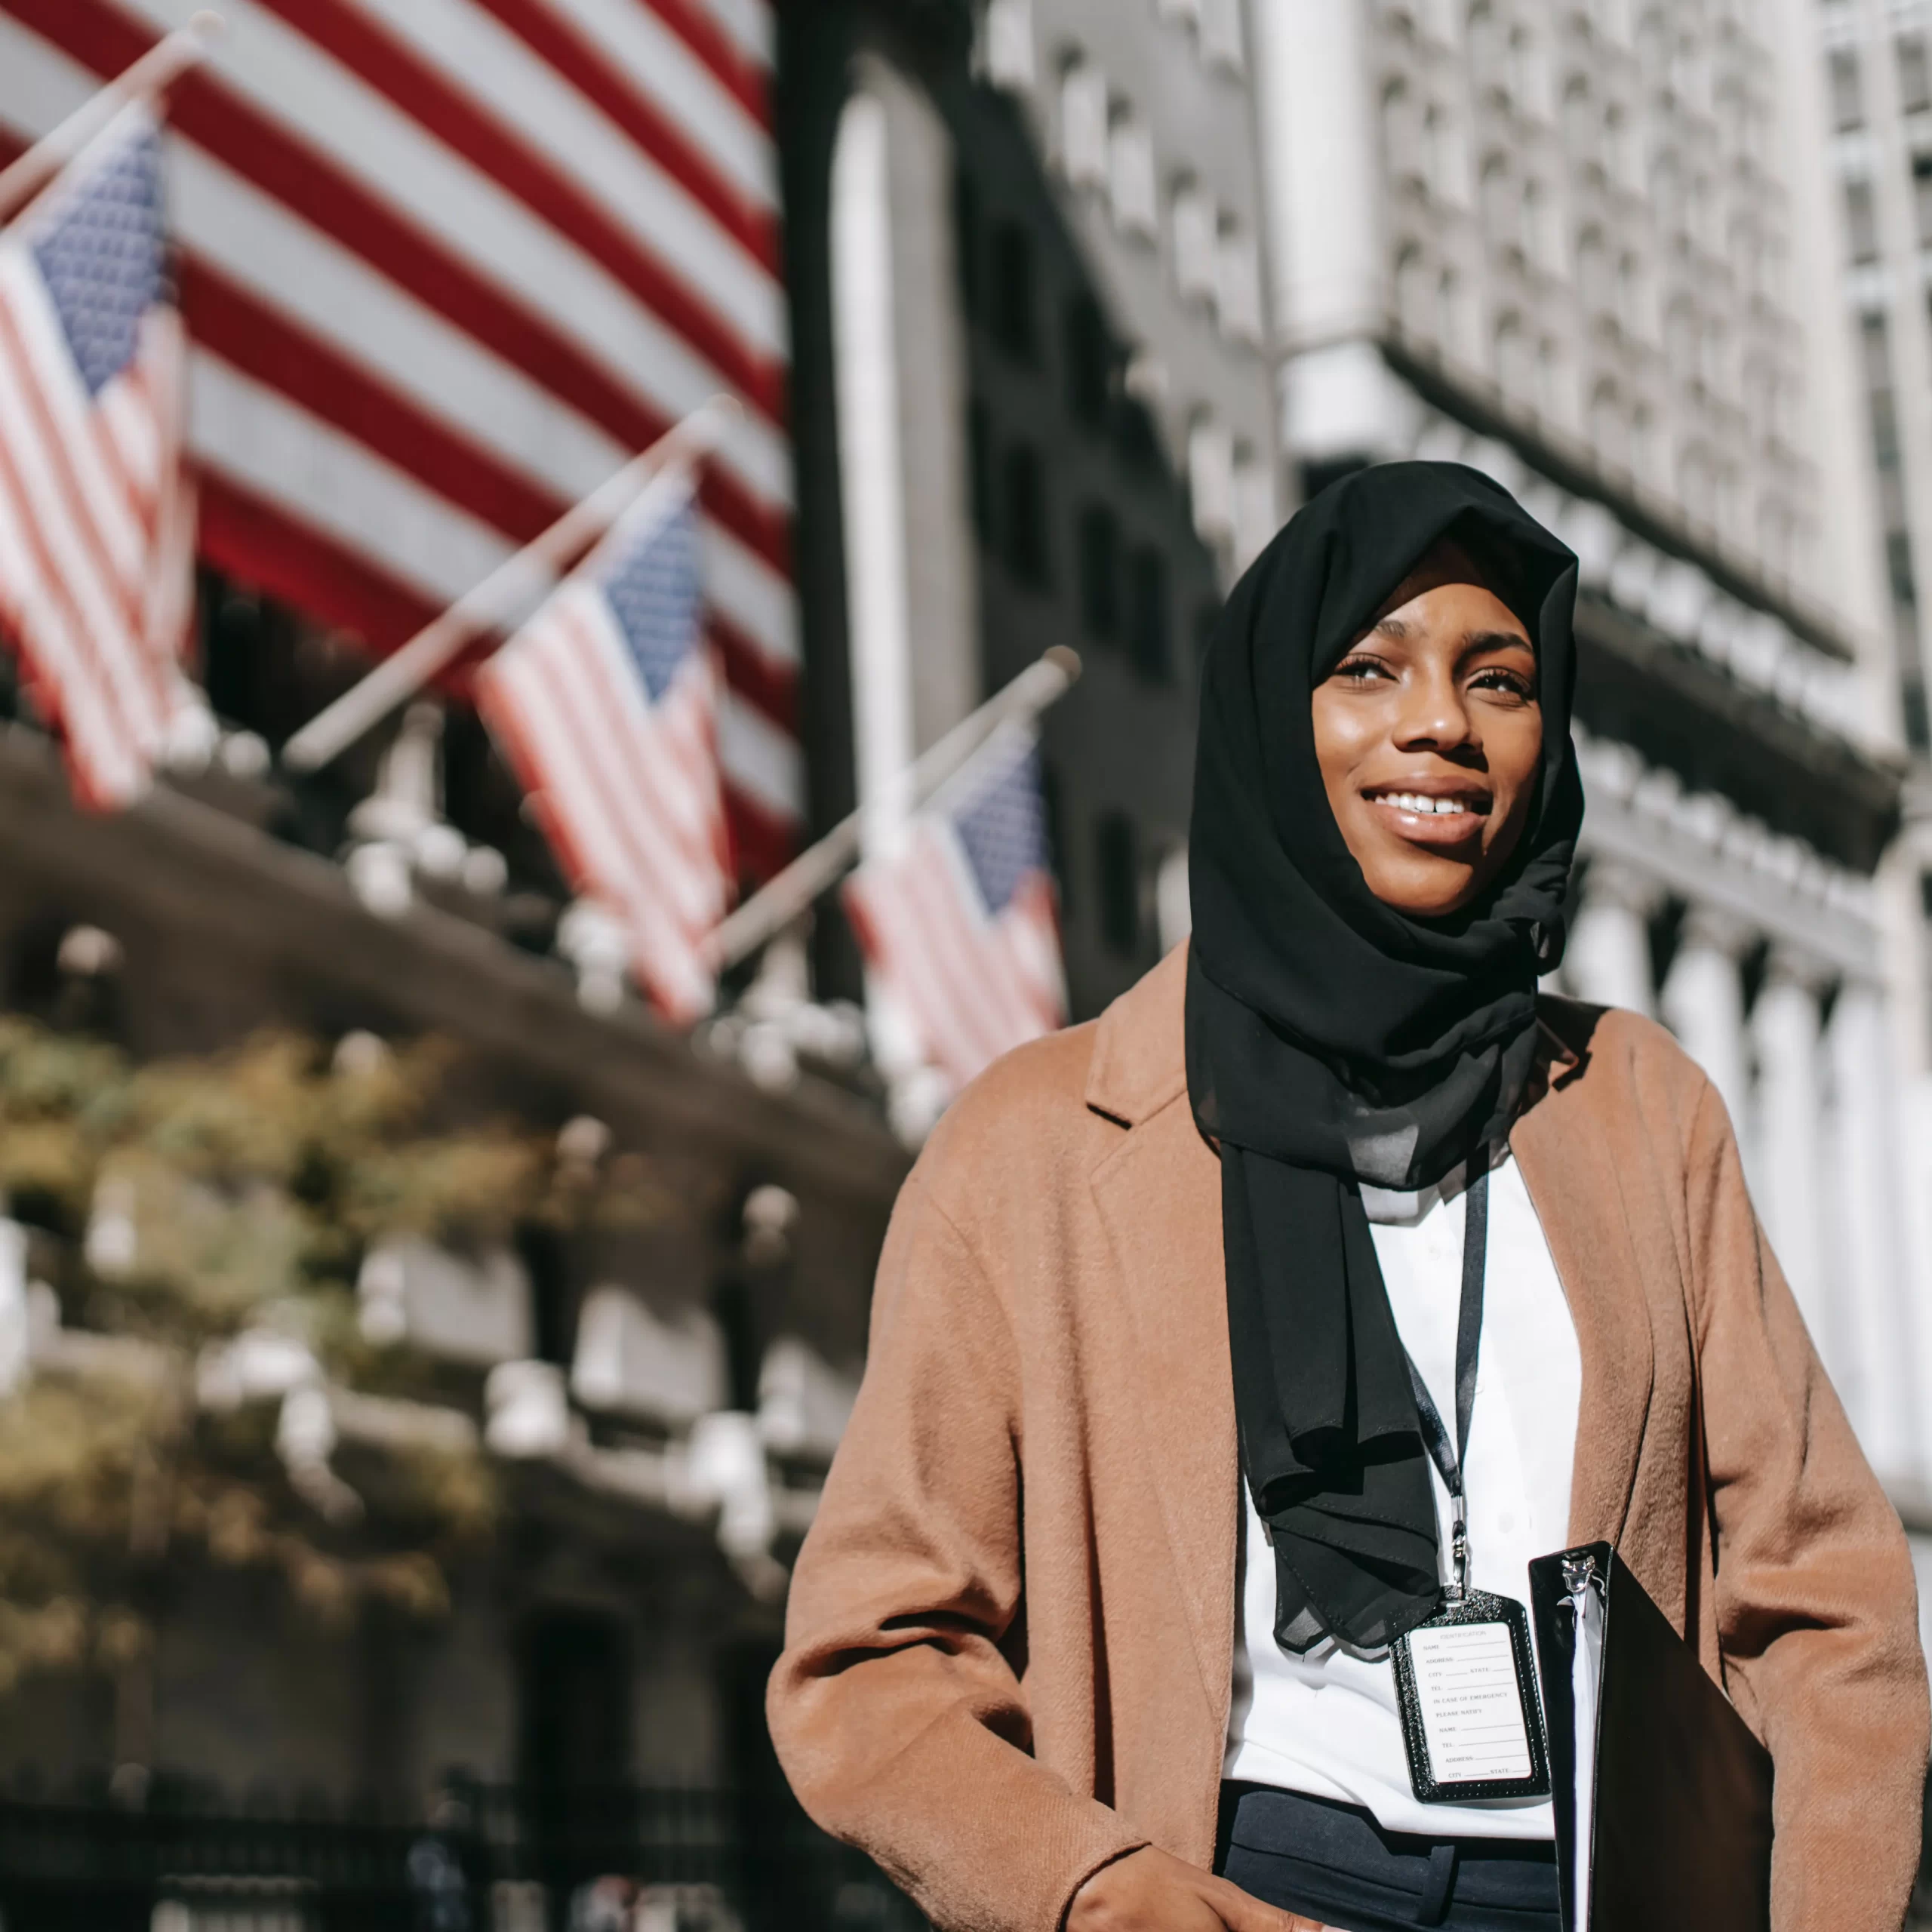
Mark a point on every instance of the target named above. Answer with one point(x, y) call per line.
point(182, 1203)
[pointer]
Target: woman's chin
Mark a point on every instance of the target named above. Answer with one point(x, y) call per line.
point(1424, 885)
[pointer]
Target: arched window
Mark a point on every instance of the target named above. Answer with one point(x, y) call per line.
point(1416, 312)
point(1023, 500)
point(1502, 215)
point(1634, 308)
point(1009, 293)
point(1694, 481)
point(1083, 124)
point(1539, 210)
point(1593, 288)
point(1488, 67)
point(1581, 126)
point(1609, 427)
point(1679, 340)
point(1401, 133)
point(1089, 357)
point(1452, 307)
point(1445, 155)
point(1515, 362)
point(1529, 73)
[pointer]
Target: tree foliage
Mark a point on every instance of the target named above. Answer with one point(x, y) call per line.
point(175, 1206)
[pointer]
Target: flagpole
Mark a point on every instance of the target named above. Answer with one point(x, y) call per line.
point(404, 672)
point(777, 903)
point(164, 62)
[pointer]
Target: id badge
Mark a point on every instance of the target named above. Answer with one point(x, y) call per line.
point(1466, 1684)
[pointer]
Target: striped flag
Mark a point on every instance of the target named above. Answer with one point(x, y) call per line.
point(606, 703)
point(958, 919)
point(95, 519)
point(445, 265)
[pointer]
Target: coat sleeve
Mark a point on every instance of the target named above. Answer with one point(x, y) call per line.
point(896, 1709)
point(1816, 1601)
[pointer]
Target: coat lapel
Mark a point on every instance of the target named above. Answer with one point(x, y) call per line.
point(1159, 1197)
point(1573, 1182)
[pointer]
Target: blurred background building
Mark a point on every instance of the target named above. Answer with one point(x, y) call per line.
point(1046, 313)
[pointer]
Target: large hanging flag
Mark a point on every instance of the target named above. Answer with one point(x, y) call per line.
point(96, 518)
point(958, 917)
point(606, 704)
point(445, 267)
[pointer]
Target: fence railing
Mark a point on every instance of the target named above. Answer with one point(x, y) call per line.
point(631, 1859)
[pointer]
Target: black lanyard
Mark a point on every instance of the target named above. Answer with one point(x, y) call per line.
point(1448, 1458)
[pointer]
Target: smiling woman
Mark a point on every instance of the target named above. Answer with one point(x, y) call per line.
point(1429, 734)
point(1234, 1356)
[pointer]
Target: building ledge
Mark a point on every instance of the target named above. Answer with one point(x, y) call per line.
point(176, 865)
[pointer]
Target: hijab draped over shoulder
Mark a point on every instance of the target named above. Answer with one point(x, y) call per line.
point(1333, 1041)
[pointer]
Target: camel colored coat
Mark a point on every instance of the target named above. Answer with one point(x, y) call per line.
point(1010, 1634)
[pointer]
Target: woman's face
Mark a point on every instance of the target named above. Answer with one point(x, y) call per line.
point(1430, 737)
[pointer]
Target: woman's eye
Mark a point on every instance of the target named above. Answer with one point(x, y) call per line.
point(1496, 679)
point(1360, 670)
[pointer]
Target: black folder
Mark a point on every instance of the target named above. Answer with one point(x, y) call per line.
point(1662, 1794)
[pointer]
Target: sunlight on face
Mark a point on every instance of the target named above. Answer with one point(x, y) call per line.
point(1430, 737)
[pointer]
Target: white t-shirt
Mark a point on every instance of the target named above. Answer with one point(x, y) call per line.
point(1326, 1723)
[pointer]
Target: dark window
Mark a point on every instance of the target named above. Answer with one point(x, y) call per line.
point(966, 242)
point(1117, 871)
point(1925, 893)
point(1921, 198)
point(1898, 567)
point(1089, 362)
point(1874, 342)
point(980, 469)
point(1916, 717)
point(1885, 429)
point(1134, 430)
point(1847, 96)
point(1914, 74)
point(1861, 221)
point(1099, 572)
point(1011, 298)
point(574, 1707)
point(1024, 506)
point(1149, 627)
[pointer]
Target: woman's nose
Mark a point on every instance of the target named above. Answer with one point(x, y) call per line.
point(1433, 715)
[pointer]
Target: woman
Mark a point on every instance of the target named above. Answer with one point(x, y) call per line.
point(1094, 1627)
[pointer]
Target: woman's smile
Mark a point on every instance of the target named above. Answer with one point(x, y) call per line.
point(1441, 814)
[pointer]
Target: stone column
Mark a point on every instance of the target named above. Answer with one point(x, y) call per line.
point(1792, 1148)
point(1702, 1003)
point(1608, 957)
point(1882, 1330)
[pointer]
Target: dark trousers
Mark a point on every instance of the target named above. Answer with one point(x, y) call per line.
point(1334, 1863)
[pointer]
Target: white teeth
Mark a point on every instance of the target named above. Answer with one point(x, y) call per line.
point(1416, 801)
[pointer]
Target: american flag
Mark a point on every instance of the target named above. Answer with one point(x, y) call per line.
point(606, 703)
point(96, 575)
point(445, 265)
point(959, 921)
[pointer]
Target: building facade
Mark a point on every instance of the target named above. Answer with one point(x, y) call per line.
point(1578, 247)
point(999, 389)
point(1872, 74)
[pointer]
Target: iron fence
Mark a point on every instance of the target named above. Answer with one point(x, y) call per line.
point(491, 1860)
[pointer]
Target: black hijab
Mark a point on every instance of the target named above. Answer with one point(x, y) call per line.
point(1332, 1040)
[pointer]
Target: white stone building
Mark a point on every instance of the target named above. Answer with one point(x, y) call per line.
point(1145, 116)
point(1873, 68)
point(1583, 246)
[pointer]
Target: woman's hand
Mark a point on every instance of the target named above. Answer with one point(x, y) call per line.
point(1150, 1891)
